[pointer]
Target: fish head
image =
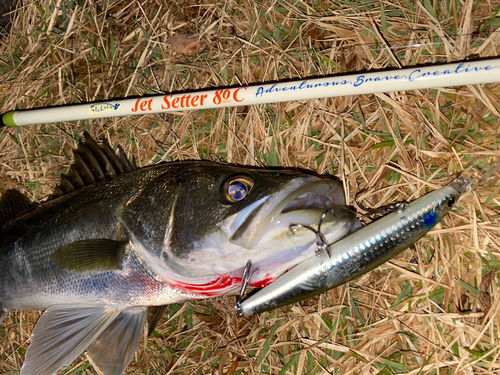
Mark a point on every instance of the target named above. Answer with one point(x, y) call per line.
point(219, 217)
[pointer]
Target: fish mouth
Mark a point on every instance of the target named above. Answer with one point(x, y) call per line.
point(336, 223)
point(266, 227)
point(299, 194)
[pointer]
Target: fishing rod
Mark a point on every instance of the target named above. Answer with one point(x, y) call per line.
point(446, 75)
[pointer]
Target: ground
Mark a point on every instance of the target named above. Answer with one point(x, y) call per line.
point(5, 8)
point(434, 309)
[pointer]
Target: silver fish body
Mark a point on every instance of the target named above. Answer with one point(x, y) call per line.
point(95, 258)
point(357, 253)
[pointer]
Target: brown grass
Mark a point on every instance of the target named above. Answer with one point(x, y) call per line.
point(430, 310)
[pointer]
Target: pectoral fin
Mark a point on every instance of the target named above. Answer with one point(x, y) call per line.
point(112, 351)
point(62, 333)
point(90, 255)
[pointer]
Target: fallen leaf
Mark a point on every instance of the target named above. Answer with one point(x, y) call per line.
point(233, 367)
point(185, 44)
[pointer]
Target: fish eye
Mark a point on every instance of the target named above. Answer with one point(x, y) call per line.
point(451, 201)
point(237, 188)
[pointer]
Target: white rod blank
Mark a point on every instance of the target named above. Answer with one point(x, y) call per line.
point(456, 74)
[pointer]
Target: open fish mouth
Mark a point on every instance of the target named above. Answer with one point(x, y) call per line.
point(310, 200)
point(299, 194)
point(267, 231)
point(337, 223)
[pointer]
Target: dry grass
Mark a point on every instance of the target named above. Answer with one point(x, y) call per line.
point(432, 310)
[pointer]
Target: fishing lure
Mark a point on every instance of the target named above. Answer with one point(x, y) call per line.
point(366, 248)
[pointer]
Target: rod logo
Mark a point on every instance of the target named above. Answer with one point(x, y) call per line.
point(98, 108)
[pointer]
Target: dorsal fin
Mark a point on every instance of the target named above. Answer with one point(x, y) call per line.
point(12, 202)
point(93, 162)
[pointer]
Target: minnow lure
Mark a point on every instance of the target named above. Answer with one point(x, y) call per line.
point(365, 249)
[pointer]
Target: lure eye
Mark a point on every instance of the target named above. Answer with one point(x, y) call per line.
point(236, 188)
point(451, 201)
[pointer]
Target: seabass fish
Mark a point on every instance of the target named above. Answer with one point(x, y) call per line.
point(115, 240)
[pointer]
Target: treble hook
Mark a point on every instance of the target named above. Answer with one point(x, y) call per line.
point(246, 279)
point(398, 206)
point(320, 238)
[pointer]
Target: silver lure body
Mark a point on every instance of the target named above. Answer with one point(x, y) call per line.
point(357, 253)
